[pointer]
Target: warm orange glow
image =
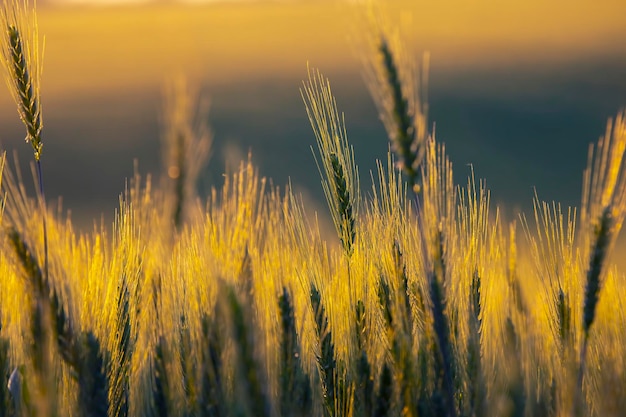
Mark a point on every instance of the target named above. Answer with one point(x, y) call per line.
point(134, 47)
point(228, 297)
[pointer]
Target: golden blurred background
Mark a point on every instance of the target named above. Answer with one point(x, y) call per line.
point(517, 89)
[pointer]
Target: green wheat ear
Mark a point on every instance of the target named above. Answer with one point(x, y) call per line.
point(603, 208)
point(82, 352)
point(22, 62)
point(340, 178)
point(603, 212)
point(404, 137)
point(599, 253)
point(326, 360)
point(44, 322)
point(398, 88)
point(295, 386)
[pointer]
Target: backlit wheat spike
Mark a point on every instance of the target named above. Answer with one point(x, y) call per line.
point(404, 138)
point(442, 333)
point(553, 251)
point(81, 352)
point(398, 88)
point(602, 214)
point(348, 233)
point(340, 178)
point(332, 382)
point(598, 258)
point(42, 321)
point(295, 386)
point(435, 265)
point(22, 62)
point(604, 207)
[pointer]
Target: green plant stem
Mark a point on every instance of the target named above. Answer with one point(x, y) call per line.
point(44, 211)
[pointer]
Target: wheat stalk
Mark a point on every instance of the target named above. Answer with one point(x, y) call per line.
point(44, 308)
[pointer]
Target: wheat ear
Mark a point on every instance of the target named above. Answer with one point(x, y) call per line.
point(604, 207)
point(404, 137)
point(398, 88)
point(326, 360)
point(295, 386)
point(22, 61)
point(340, 178)
point(82, 352)
point(603, 212)
point(42, 311)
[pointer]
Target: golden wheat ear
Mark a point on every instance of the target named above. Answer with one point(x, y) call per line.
point(295, 385)
point(602, 216)
point(398, 87)
point(603, 208)
point(22, 59)
point(340, 177)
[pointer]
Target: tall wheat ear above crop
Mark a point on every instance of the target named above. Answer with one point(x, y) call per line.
point(340, 177)
point(22, 61)
point(398, 87)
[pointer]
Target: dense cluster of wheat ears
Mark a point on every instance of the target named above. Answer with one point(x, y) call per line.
point(236, 306)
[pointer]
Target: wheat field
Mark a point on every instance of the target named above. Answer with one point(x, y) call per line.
point(425, 303)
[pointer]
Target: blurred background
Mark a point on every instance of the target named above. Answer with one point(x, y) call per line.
point(517, 89)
